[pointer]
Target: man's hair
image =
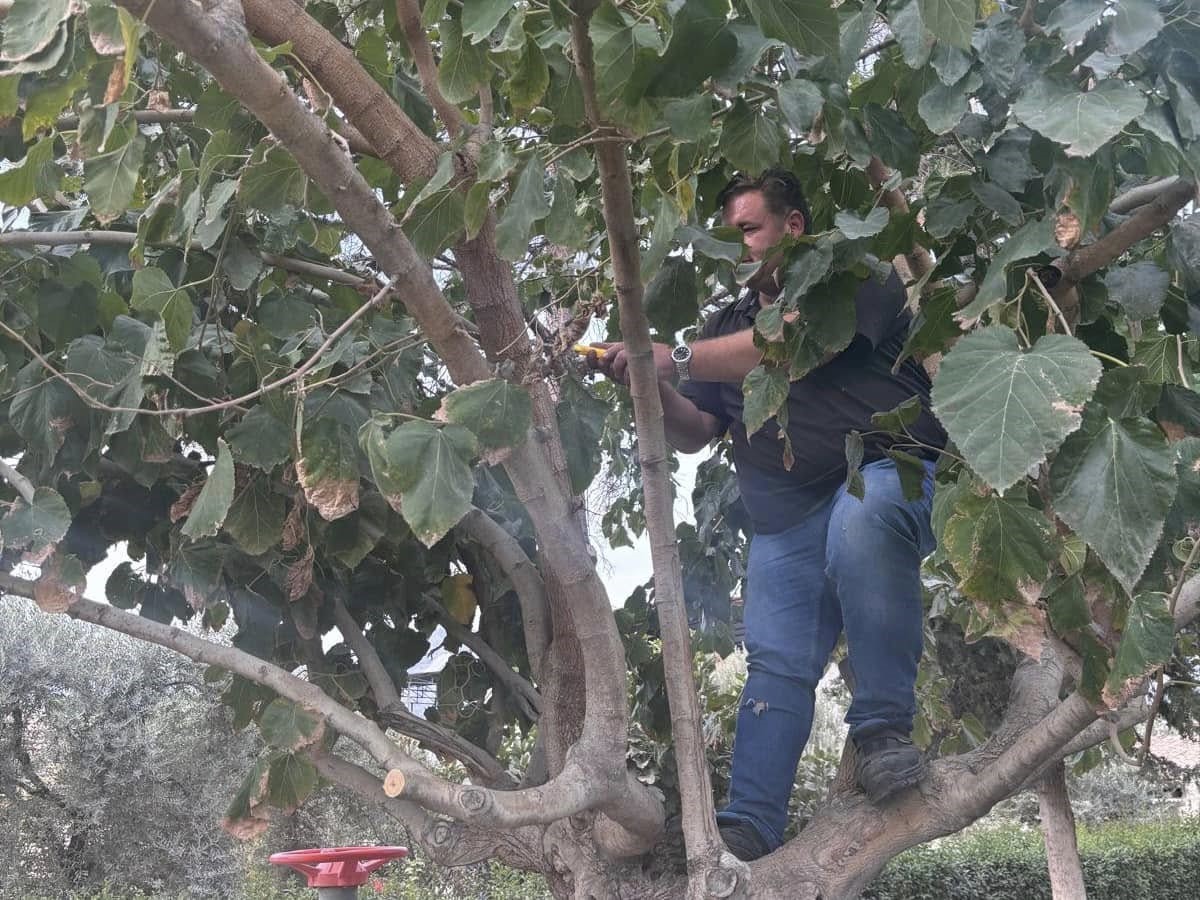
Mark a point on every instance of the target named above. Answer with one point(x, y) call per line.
point(780, 189)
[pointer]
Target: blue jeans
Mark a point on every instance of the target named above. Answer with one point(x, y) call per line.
point(850, 564)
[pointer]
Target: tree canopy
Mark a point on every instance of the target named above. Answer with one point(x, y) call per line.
point(288, 296)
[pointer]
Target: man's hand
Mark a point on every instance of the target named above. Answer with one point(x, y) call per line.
point(614, 362)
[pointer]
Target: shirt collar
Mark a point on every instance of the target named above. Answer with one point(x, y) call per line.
point(748, 305)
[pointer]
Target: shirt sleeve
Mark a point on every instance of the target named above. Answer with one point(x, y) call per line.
point(706, 395)
point(879, 308)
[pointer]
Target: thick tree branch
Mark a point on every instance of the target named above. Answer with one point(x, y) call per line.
point(366, 105)
point(408, 13)
point(595, 775)
point(387, 698)
point(527, 697)
point(699, 824)
point(446, 843)
point(525, 578)
point(395, 715)
point(1151, 216)
point(1127, 202)
point(20, 483)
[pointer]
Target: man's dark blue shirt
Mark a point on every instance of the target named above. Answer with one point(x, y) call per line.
point(823, 407)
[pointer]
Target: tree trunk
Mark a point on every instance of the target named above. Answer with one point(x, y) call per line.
point(1058, 831)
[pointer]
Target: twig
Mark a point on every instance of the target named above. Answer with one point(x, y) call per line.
point(1158, 693)
point(1033, 276)
point(1141, 195)
point(876, 48)
point(528, 699)
point(23, 485)
point(187, 411)
point(129, 238)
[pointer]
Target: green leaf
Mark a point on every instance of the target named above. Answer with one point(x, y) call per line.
point(853, 227)
point(46, 101)
point(800, 102)
point(423, 473)
point(765, 391)
point(829, 317)
point(110, 179)
point(328, 467)
point(565, 226)
point(724, 243)
point(255, 519)
point(478, 205)
point(915, 41)
point(36, 175)
point(701, 42)
point(1034, 237)
point(435, 222)
point(352, 537)
point(241, 263)
point(288, 726)
point(891, 139)
point(1073, 19)
point(690, 119)
point(810, 26)
point(1139, 289)
point(912, 472)
point(1053, 107)
point(291, 779)
point(464, 67)
point(1146, 642)
point(856, 486)
point(1160, 354)
point(124, 588)
point(31, 26)
point(664, 221)
point(1183, 250)
point(1113, 482)
point(38, 525)
point(530, 78)
point(581, 426)
point(750, 139)
point(672, 297)
point(211, 507)
point(1136, 22)
point(260, 439)
point(498, 412)
point(153, 292)
point(942, 107)
point(1068, 607)
point(934, 326)
point(526, 206)
point(272, 180)
point(898, 419)
point(951, 21)
point(1182, 75)
point(480, 17)
point(1005, 409)
point(998, 546)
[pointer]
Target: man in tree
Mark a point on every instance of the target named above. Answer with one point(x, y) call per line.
point(822, 559)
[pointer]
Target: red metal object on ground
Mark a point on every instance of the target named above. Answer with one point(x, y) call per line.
point(338, 866)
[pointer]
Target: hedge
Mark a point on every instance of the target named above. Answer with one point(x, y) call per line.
point(1145, 861)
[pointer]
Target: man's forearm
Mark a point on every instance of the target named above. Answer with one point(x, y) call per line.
point(727, 358)
point(688, 428)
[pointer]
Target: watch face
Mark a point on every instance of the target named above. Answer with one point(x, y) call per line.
point(681, 353)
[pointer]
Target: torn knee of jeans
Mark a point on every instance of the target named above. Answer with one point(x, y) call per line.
point(758, 707)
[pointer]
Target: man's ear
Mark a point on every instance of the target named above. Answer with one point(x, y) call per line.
point(795, 224)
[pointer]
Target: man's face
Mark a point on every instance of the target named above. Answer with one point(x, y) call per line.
point(761, 229)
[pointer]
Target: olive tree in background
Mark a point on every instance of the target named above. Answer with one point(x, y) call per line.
point(288, 299)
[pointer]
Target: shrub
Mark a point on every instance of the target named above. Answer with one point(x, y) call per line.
point(1120, 862)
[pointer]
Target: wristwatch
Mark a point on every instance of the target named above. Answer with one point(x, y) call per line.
point(682, 357)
